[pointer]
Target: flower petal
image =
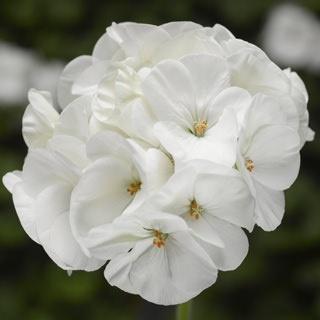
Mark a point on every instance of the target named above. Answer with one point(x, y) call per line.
point(23, 204)
point(106, 48)
point(43, 168)
point(68, 77)
point(108, 143)
point(275, 153)
point(170, 92)
point(101, 195)
point(162, 280)
point(10, 179)
point(270, 207)
point(53, 227)
point(235, 243)
point(218, 145)
point(209, 74)
point(39, 119)
point(226, 197)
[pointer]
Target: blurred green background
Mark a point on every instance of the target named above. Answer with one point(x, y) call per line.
point(280, 278)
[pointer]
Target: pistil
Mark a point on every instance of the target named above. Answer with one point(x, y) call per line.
point(134, 187)
point(159, 239)
point(195, 210)
point(200, 128)
point(249, 165)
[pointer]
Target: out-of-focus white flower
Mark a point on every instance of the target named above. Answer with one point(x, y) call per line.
point(292, 37)
point(21, 69)
point(15, 67)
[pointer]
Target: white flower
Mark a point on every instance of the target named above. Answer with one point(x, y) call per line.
point(215, 202)
point(122, 175)
point(16, 65)
point(171, 140)
point(300, 95)
point(154, 255)
point(268, 158)
point(41, 195)
point(120, 61)
point(41, 121)
point(291, 37)
point(253, 71)
point(42, 191)
point(194, 105)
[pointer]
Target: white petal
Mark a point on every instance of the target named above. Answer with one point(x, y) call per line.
point(71, 148)
point(137, 121)
point(226, 197)
point(233, 98)
point(108, 143)
point(39, 119)
point(10, 179)
point(53, 227)
point(221, 33)
point(87, 81)
point(218, 144)
point(74, 119)
point(177, 27)
point(138, 39)
point(209, 74)
point(235, 245)
point(43, 168)
point(270, 207)
point(264, 110)
point(68, 77)
point(175, 196)
point(275, 153)
point(23, 204)
point(257, 74)
point(202, 230)
point(101, 195)
point(113, 239)
point(170, 92)
point(158, 169)
point(156, 274)
point(106, 48)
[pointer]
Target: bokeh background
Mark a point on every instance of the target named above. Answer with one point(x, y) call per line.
point(280, 278)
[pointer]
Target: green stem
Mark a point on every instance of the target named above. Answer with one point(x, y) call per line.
point(184, 311)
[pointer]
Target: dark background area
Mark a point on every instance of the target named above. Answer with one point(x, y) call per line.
point(280, 278)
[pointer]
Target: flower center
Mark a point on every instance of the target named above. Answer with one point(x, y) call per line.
point(200, 127)
point(159, 239)
point(195, 210)
point(134, 187)
point(249, 165)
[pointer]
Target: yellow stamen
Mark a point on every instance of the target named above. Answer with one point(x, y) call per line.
point(249, 165)
point(200, 128)
point(134, 187)
point(159, 239)
point(195, 210)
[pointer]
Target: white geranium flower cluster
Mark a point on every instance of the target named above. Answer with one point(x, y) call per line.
point(171, 140)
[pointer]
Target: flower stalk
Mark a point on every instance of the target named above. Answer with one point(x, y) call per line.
point(183, 311)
